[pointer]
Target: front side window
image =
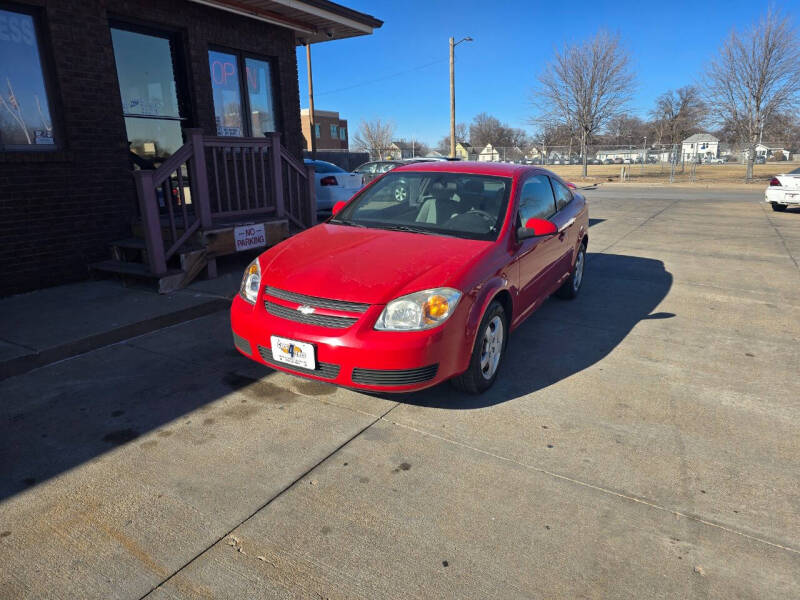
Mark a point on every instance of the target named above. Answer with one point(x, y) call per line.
point(536, 199)
point(242, 86)
point(148, 91)
point(25, 117)
point(436, 203)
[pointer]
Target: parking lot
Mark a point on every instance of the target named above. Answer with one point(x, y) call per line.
point(642, 441)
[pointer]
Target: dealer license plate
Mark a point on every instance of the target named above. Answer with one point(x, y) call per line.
point(291, 352)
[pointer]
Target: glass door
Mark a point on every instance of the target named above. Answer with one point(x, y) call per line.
point(147, 84)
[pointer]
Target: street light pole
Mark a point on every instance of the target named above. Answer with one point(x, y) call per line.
point(453, 45)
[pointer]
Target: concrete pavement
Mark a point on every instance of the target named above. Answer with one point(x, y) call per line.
point(642, 441)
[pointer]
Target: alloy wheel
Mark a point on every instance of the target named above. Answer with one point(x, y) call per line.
point(492, 347)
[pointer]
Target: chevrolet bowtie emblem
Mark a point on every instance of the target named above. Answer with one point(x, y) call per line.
point(305, 309)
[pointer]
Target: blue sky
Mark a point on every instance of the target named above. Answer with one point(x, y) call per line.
point(670, 42)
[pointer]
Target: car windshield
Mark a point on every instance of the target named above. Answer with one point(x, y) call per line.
point(455, 204)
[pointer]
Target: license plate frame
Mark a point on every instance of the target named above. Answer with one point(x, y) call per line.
point(293, 353)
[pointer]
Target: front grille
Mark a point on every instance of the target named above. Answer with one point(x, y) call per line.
point(353, 307)
point(401, 377)
point(291, 314)
point(324, 370)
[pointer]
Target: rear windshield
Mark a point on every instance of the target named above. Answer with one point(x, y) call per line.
point(454, 204)
point(320, 166)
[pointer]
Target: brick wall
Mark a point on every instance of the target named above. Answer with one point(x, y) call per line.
point(59, 210)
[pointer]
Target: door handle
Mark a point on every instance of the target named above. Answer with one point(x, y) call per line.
point(567, 225)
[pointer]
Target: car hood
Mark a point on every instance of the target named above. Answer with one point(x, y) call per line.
point(371, 266)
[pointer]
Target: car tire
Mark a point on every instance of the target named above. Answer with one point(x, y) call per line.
point(572, 286)
point(487, 355)
point(778, 207)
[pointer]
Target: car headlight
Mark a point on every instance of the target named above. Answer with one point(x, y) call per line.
point(251, 282)
point(420, 310)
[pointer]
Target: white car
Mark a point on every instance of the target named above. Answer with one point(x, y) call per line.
point(333, 184)
point(784, 191)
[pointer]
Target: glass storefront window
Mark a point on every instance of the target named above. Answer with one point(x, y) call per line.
point(149, 93)
point(227, 94)
point(259, 90)
point(230, 76)
point(25, 121)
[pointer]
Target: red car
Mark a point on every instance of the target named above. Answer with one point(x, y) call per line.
point(396, 296)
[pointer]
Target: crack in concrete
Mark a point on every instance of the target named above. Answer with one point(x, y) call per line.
point(268, 502)
point(610, 492)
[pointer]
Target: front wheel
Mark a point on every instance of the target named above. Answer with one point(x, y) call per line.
point(570, 288)
point(778, 207)
point(490, 347)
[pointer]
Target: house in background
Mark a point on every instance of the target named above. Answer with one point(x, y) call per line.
point(488, 154)
point(330, 131)
point(700, 146)
point(107, 92)
point(465, 151)
point(773, 151)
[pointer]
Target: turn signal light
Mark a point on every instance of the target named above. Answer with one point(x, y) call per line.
point(329, 180)
point(774, 181)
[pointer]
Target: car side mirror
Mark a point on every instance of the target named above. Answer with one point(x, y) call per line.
point(338, 207)
point(536, 228)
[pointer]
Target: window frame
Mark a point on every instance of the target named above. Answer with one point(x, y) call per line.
point(244, 93)
point(48, 78)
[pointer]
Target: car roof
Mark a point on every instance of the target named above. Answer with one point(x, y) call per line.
point(473, 167)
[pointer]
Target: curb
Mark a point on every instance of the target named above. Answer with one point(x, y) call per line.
point(29, 362)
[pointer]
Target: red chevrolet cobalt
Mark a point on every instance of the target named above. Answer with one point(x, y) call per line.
point(398, 294)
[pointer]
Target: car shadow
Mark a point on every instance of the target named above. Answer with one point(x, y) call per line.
point(565, 337)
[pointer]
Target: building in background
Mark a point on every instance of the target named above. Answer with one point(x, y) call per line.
point(700, 146)
point(330, 131)
point(94, 89)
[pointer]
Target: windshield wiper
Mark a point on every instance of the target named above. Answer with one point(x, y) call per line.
point(406, 228)
point(346, 222)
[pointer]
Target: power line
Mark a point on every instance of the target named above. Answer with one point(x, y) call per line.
point(384, 78)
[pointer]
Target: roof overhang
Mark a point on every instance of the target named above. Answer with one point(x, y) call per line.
point(312, 21)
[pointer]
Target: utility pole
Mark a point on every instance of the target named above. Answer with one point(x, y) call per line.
point(313, 132)
point(452, 99)
point(453, 45)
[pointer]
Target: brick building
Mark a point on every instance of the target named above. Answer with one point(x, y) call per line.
point(91, 89)
point(330, 131)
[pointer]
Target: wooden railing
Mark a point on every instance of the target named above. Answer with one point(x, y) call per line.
point(212, 178)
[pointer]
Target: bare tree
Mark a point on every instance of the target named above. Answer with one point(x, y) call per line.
point(678, 114)
point(462, 135)
point(755, 76)
point(374, 137)
point(585, 85)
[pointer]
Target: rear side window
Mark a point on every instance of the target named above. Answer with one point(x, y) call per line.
point(385, 167)
point(563, 195)
point(536, 199)
point(366, 168)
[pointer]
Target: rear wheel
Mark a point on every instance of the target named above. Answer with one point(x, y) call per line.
point(488, 353)
point(570, 288)
point(778, 207)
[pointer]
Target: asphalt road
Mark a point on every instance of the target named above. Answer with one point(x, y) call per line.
point(643, 441)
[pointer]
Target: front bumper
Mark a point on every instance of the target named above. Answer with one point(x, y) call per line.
point(357, 356)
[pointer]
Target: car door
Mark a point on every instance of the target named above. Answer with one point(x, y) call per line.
point(535, 256)
point(567, 210)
